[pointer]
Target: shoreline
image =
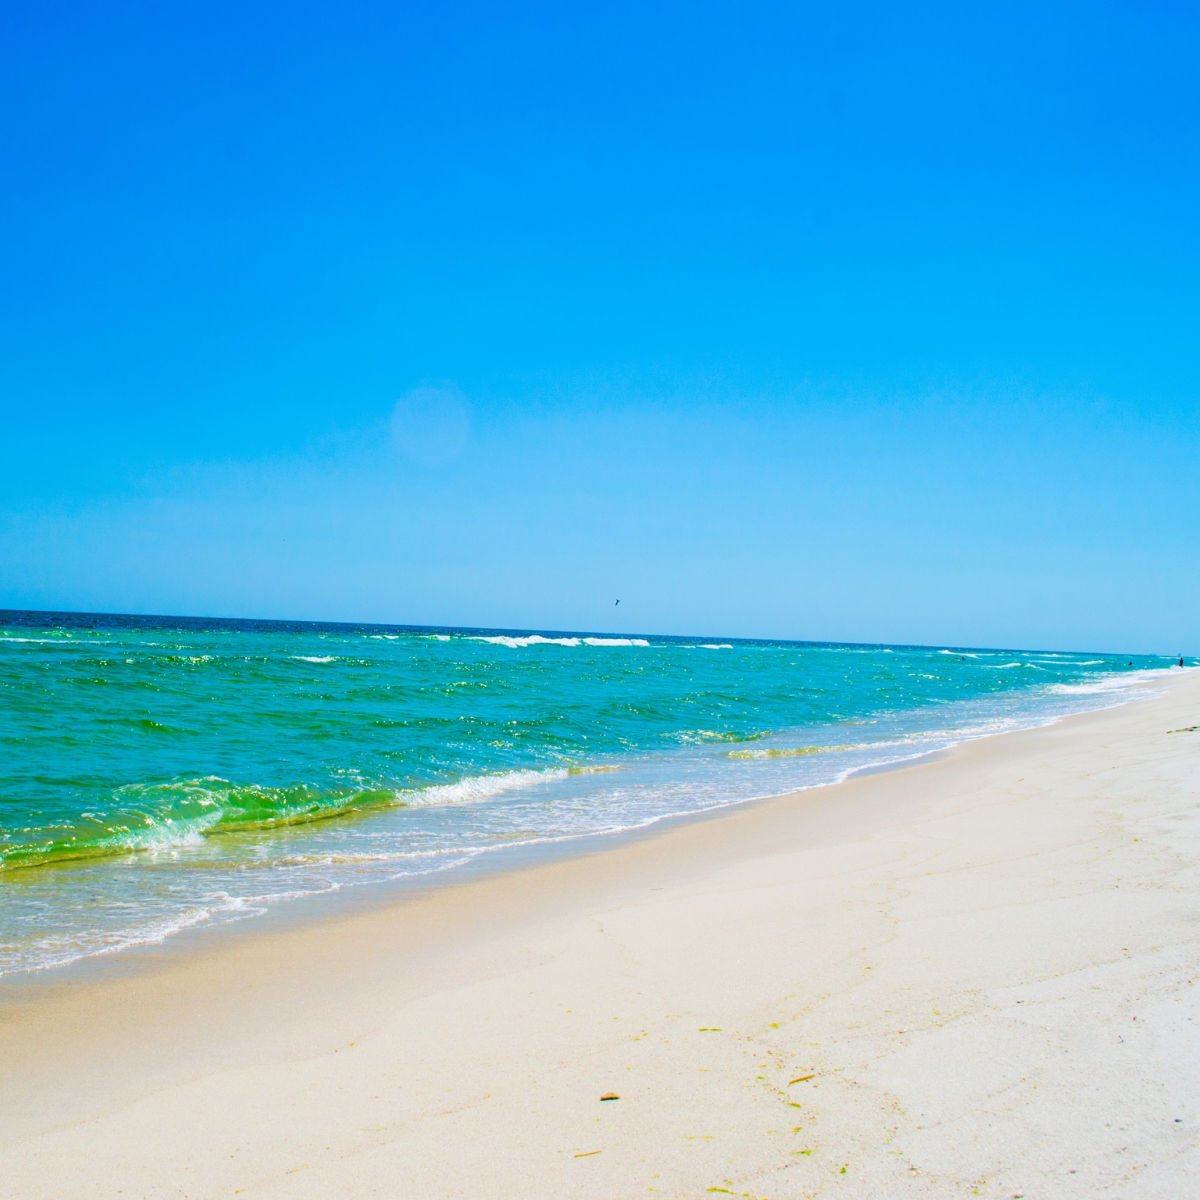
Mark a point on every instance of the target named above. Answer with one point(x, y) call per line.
point(316, 906)
point(462, 1034)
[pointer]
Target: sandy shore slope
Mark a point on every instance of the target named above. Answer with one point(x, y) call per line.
point(975, 976)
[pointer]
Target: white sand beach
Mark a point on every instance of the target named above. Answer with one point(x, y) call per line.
point(975, 976)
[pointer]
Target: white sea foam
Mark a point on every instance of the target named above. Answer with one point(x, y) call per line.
point(517, 643)
point(315, 658)
point(537, 639)
point(959, 653)
point(715, 646)
point(171, 834)
point(57, 952)
point(478, 787)
point(225, 907)
point(335, 858)
point(58, 641)
point(1110, 683)
point(221, 906)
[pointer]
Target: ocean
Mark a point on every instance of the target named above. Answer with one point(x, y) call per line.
point(162, 774)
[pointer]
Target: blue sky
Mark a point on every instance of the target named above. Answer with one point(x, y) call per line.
point(876, 324)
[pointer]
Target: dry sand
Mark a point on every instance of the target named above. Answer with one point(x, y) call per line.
point(972, 977)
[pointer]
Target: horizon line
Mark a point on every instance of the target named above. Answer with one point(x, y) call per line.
point(504, 630)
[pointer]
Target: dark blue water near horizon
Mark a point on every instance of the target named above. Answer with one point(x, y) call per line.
point(42, 618)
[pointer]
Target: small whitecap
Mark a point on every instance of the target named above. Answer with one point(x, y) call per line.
point(478, 787)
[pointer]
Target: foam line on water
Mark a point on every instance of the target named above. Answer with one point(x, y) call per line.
point(479, 787)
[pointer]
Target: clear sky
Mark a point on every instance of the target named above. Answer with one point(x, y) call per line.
point(862, 322)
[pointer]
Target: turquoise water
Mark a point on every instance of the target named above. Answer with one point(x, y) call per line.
point(159, 774)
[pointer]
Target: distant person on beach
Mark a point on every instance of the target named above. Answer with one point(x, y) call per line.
point(1181, 660)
